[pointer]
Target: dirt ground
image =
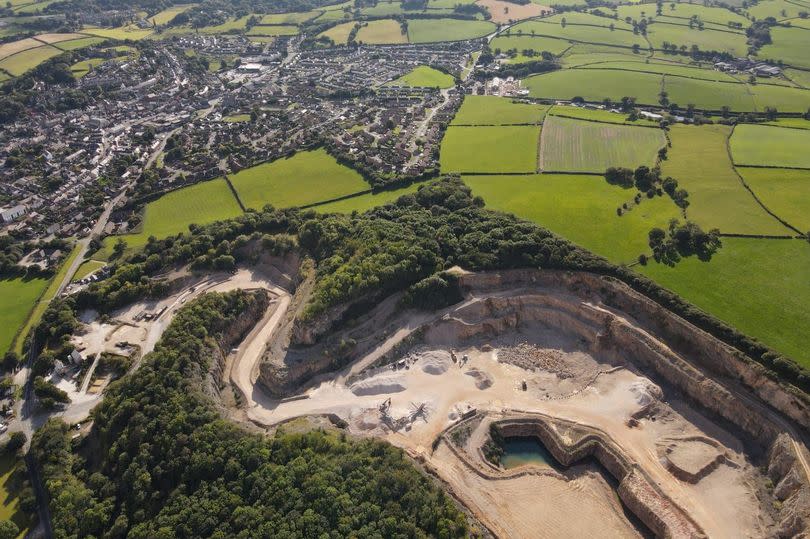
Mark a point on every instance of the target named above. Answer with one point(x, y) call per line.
point(412, 401)
point(505, 12)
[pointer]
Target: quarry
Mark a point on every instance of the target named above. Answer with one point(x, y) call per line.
point(655, 428)
point(648, 425)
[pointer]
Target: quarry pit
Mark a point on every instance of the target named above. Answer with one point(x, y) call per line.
point(656, 428)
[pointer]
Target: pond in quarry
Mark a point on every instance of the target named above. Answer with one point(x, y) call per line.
point(518, 451)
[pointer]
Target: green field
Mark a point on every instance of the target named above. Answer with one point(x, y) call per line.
point(490, 149)
point(783, 98)
point(596, 115)
point(758, 286)
point(589, 29)
point(699, 160)
point(172, 213)
point(579, 208)
point(569, 145)
point(537, 44)
point(10, 508)
point(789, 45)
point(775, 9)
point(706, 39)
point(290, 18)
point(383, 32)
point(305, 178)
point(765, 145)
point(339, 34)
point(681, 13)
point(662, 68)
point(17, 299)
point(784, 192)
point(432, 30)
point(75, 44)
point(27, 60)
point(167, 15)
point(365, 202)
point(80, 69)
point(87, 267)
point(45, 299)
point(595, 85)
point(708, 95)
point(271, 31)
point(425, 76)
point(236, 118)
point(493, 110)
point(122, 32)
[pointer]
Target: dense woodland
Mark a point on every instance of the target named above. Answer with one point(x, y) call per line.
point(161, 463)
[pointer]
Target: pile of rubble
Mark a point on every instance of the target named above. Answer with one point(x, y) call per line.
point(531, 357)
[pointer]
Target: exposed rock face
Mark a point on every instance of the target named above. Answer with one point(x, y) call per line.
point(570, 443)
point(792, 488)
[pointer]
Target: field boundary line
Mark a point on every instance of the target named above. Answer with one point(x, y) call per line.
point(497, 125)
point(664, 74)
point(235, 194)
point(337, 199)
point(711, 29)
point(777, 167)
point(759, 236)
point(602, 121)
point(574, 41)
point(473, 173)
point(748, 187)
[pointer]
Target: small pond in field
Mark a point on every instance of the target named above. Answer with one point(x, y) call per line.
point(519, 451)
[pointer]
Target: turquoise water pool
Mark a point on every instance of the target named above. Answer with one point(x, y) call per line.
point(520, 451)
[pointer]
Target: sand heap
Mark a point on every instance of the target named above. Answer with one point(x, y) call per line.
point(379, 385)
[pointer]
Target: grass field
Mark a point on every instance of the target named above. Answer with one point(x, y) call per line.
point(596, 115)
point(425, 76)
point(490, 149)
point(432, 30)
point(493, 110)
point(290, 18)
point(10, 508)
point(775, 9)
point(758, 286)
point(596, 85)
point(122, 32)
point(365, 202)
point(795, 123)
point(45, 299)
point(17, 298)
point(569, 145)
point(13, 47)
point(339, 33)
point(789, 45)
point(708, 95)
point(765, 145)
point(587, 29)
point(87, 267)
point(75, 44)
point(271, 31)
point(305, 178)
point(537, 44)
point(663, 69)
point(784, 192)
point(172, 214)
point(700, 162)
point(80, 69)
point(382, 32)
point(229, 26)
point(167, 15)
point(27, 60)
point(783, 98)
point(706, 39)
point(236, 118)
point(579, 208)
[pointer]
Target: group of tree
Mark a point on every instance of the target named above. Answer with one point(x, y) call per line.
point(683, 240)
point(648, 181)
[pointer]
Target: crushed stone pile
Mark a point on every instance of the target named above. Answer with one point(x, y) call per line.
point(436, 361)
point(482, 379)
point(379, 385)
point(531, 357)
